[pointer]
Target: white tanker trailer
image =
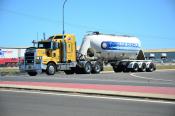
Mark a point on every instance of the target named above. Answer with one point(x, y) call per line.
point(122, 52)
point(111, 47)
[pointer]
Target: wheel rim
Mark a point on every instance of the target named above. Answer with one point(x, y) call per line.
point(143, 67)
point(88, 68)
point(51, 69)
point(135, 67)
point(151, 68)
point(97, 68)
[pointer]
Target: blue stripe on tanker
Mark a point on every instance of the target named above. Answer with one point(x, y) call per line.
point(109, 45)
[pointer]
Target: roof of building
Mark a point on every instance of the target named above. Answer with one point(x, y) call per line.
point(160, 50)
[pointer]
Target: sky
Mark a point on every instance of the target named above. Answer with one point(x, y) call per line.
point(152, 21)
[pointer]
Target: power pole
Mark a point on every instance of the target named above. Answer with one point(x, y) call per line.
point(64, 44)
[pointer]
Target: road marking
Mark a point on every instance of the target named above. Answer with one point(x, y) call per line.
point(90, 96)
point(159, 70)
point(148, 78)
point(164, 70)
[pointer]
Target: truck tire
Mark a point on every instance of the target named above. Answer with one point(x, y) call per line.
point(87, 68)
point(125, 67)
point(143, 67)
point(135, 67)
point(78, 70)
point(68, 72)
point(151, 67)
point(51, 69)
point(96, 68)
point(117, 69)
point(32, 73)
point(126, 70)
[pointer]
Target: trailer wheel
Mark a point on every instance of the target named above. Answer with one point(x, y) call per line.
point(118, 68)
point(32, 73)
point(143, 67)
point(135, 67)
point(51, 69)
point(87, 68)
point(151, 68)
point(96, 68)
point(125, 67)
point(126, 70)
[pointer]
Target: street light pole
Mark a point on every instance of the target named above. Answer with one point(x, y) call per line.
point(64, 44)
point(63, 15)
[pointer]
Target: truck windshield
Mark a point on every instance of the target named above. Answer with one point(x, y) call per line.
point(44, 45)
point(57, 37)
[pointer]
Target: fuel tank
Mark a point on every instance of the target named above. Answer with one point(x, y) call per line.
point(110, 47)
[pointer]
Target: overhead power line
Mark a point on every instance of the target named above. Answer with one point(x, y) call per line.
point(77, 25)
point(42, 18)
point(28, 15)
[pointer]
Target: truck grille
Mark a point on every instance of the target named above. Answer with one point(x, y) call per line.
point(29, 57)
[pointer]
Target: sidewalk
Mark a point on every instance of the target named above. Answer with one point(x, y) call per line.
point(167, 93)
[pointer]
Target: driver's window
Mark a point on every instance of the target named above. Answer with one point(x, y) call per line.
point(55, 45)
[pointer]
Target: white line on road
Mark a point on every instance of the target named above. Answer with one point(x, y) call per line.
point(148, 78)
point(90, 96)
point(165, 70)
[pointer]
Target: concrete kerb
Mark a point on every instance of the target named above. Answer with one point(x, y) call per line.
point(91, 91)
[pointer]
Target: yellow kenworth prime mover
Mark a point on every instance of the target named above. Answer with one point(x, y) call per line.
point(58, 53)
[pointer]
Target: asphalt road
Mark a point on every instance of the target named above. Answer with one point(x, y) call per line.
point(37, 104)
point(157, 78)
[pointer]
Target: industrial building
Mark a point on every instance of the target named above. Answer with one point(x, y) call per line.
point(161, 55)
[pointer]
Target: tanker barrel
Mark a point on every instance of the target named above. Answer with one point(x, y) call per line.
point(111, 47)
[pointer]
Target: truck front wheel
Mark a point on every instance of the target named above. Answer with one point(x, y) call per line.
point(32, 73)
point(51, 69)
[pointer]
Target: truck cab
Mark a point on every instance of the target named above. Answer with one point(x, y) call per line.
point(58, 52)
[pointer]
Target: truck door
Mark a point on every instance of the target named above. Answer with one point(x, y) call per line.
point(56, 52)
